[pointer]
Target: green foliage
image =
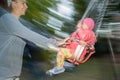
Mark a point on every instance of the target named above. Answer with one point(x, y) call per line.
point(38, 14)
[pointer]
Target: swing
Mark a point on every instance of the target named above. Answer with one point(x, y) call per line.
point(81, 55)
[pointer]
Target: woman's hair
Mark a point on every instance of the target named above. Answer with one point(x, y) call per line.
point(3, 4)
point(6, 4)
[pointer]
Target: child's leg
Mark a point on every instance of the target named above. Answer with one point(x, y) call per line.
point(63, 53)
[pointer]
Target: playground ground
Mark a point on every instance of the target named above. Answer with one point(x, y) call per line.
point(97, 68)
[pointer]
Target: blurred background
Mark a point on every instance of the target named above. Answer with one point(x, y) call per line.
point(57, 19)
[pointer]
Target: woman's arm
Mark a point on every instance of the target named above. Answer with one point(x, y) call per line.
point(15, 28)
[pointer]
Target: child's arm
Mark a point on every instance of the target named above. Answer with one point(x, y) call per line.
point(82, 43)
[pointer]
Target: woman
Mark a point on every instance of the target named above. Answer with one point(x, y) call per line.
point(13, 36)
point(83, 36)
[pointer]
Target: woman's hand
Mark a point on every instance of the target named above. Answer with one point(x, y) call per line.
point(63, 42)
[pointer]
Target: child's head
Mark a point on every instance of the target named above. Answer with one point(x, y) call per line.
point(86, 23)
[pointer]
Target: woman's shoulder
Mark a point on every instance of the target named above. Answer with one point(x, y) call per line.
point(2, 11)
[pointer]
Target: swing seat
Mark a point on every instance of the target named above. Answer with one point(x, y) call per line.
point(81, 55)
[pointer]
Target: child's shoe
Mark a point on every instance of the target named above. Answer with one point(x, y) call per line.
point(55, 70)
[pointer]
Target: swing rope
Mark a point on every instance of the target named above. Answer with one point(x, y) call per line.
point(99, 7)
point(113, 59)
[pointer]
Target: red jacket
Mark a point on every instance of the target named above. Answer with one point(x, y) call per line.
point(80, 34)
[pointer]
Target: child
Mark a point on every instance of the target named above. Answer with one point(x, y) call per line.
point(82, 36)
